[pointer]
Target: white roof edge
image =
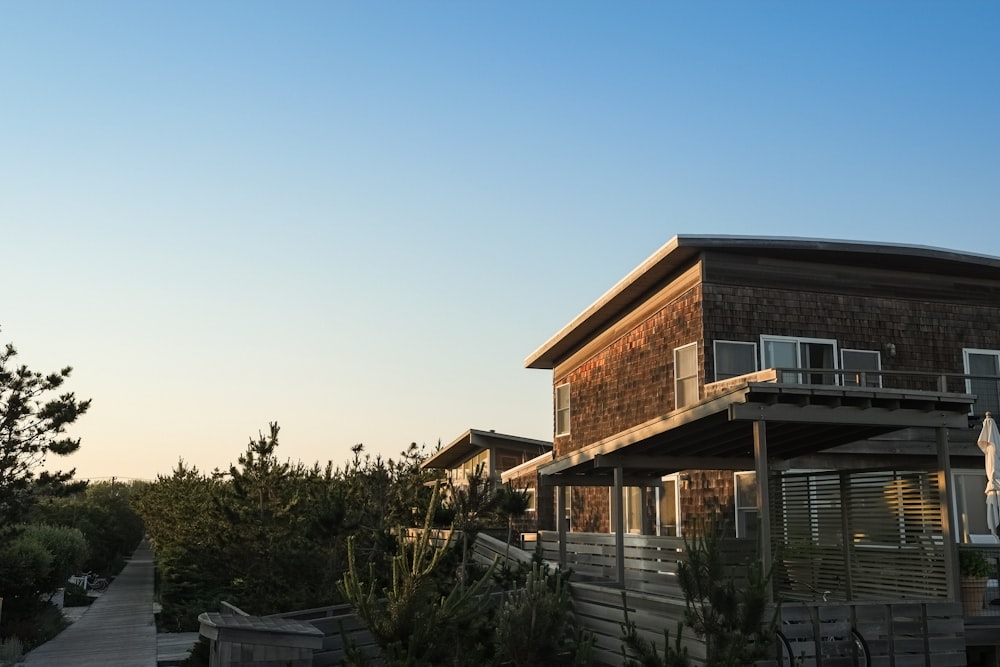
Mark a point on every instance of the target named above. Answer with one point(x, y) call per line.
point(527, 465)
point(651, 261)
point(723, 241)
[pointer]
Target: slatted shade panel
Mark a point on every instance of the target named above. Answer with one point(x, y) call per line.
point(870, 535)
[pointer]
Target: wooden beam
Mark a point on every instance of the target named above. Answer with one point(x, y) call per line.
point(673, 463)
point(817, 414)
point(763, 500)
point(850, 461)
point(604, 480)
point(642, 432)
point(947, 525)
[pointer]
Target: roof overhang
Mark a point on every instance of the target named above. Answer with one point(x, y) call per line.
point(474, 441)
point(682, 251)
point(717, 433)
point(527, 466)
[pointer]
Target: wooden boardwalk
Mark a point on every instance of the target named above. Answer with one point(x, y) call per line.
point(118, 630)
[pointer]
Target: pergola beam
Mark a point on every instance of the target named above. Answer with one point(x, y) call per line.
point(844, 416)
point(672, 463)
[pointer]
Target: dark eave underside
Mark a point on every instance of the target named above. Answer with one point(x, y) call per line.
point(474, 441)
point(717, 433)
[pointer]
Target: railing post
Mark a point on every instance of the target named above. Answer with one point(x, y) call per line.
point(561, 521)
point(619, 516)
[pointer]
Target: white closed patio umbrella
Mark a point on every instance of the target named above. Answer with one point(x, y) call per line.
point(989, 439)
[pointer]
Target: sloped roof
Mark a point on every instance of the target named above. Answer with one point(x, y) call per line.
point(474, 441)
point(679, 252)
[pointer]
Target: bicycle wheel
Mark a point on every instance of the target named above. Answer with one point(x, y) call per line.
point(784, 655)
point(862, 656)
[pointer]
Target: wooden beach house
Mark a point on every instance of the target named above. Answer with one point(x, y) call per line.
point(820, 399)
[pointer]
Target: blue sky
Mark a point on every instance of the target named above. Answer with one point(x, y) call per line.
point(358, 218)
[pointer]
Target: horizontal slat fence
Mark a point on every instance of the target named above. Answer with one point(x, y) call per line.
point(650, 561)
point(341, 628)
point(486, 549)
point(861, 535)
point(600, 609)
point(900, 633)
point(904, 634)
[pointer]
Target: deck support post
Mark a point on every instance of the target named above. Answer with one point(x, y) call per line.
point(618, 512)
point(561, 521)
point(763, 500)
point(944, 488)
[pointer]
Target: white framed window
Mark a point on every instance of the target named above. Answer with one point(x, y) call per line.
point(562, 409)
point(686, 375)
point(857, 364)
point(529, 492)
point(668, 505)
point(793, 352)
point(632, 509)
point(734, 358)
point(984, 367)
point(745, 501)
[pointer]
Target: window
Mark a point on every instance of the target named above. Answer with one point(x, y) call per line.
point(529, 493)
point(969, 505)
point(686, 375)
point(667, 507)
point(811, 353)
point(984, 367)
point(562, 409)
point(856, 363)
point(745, 499)
point(507, 460)
point(478, 465)
point(733, 358)
point(633, 509)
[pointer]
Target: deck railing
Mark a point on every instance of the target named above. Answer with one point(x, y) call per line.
point(650, 561)
point(986, 388)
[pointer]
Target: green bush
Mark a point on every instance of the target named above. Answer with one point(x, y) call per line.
point(535, 625)
point(24, 563)
point(68, 549)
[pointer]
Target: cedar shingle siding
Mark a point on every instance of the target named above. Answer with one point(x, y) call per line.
point(631, 380)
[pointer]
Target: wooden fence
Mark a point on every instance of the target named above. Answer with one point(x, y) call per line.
point(650, 561)
point(899, 633)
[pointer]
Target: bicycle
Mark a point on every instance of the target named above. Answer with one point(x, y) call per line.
point(90, 581)
point(839, 649)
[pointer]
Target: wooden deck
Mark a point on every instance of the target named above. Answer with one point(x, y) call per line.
point(118, 630)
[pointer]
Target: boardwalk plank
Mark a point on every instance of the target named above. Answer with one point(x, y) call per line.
point(118, 630)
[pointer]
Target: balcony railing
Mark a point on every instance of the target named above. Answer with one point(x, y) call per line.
point(986, 388)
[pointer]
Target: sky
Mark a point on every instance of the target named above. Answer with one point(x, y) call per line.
point(357, 219)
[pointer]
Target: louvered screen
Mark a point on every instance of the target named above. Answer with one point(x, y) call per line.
point(858, 535)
